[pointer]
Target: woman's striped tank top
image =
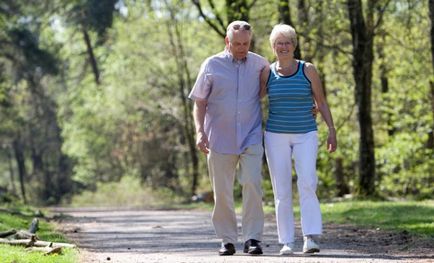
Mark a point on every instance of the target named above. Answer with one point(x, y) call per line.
point(290, 102)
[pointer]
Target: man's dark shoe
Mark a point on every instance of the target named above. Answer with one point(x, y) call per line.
point(227, 249)
point(253, 247)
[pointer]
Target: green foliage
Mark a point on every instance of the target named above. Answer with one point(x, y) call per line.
point(414, 217)
point(128, 192)
point(133, 123)
point(33, 57)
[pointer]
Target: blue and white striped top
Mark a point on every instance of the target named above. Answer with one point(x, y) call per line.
point(290, 102)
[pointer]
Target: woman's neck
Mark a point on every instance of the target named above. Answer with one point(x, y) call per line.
point(286, 63)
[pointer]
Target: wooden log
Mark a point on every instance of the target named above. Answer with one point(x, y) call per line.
point(34, 226)
point(8, 233)
point(46, 250)
point(35, 243)
point(56, 250)
point(23, 234)
point(53, 244)
point(19, 242)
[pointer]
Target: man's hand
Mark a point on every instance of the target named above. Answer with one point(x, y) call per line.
point(315, 110)
point(202, 142)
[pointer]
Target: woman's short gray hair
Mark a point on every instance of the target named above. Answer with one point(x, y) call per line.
point(285, 30)
point(237, 25)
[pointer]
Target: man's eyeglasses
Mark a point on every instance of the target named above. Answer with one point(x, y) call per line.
point(244, 26)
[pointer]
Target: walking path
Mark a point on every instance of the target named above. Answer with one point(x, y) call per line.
point(186, 236)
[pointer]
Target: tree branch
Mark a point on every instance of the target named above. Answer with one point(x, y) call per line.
point(207, 19)
point(380, 16)
point(217, 14)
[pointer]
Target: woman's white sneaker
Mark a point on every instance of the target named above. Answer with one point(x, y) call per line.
point(309, 245)
point(287, 249)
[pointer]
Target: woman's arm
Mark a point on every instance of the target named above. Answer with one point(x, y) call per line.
point(322, 105)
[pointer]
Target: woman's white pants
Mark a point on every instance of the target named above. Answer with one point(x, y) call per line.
point(279, 149)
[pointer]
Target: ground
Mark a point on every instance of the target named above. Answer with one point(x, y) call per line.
point(133, 236)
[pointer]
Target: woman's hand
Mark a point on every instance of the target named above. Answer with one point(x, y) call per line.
point(332, 143)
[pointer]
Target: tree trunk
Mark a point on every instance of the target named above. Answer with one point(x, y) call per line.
point(49, 163)
point(91, 55)
point(341, 186)
point(321, 52)
point(385, 82)
point(11, 170)
point(285, 18)
point(430, 142)
point(40, 172)
point(362, 38)
point(22, 173)
point(184, 82)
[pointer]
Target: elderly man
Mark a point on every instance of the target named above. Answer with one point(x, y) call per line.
point(228, 119)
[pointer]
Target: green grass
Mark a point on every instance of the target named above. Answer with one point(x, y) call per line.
point(127, 192)
point(11, 254)
point(46, 232)
point(416, 217)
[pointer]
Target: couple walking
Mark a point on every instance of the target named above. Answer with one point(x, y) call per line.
point(228, 118)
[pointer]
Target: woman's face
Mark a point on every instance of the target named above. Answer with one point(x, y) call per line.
point(283, 47)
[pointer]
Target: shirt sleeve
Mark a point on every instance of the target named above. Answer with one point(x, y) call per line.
point(264, 62)
point(202, 87)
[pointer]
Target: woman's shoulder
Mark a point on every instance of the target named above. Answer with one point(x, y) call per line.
point(307, 64)
point(308, 67)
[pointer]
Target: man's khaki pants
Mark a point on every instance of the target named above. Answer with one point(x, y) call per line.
point(222, 171)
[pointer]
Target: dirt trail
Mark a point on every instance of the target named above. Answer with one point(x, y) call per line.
point(130, 236)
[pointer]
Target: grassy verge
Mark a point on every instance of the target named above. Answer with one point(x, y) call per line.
point(128, 192)
point(416, 217)
point(21, 219)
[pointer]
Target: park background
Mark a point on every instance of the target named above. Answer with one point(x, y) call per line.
point(94, 107)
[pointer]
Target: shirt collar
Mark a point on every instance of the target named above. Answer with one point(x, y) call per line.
point(231, 58)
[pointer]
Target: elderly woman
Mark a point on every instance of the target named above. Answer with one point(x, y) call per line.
point(291, 132)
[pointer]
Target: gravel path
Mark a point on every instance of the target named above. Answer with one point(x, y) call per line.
point(130, 236)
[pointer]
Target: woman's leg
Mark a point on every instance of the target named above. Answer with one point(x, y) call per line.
point(305, 155)
point(278, 153)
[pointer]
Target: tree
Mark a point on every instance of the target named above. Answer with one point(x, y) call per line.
point(363, 32)
point(184, 84)
point(431, 16)
point(235, 10)
point(91, 15)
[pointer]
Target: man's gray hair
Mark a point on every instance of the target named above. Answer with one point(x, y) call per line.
point(237, 25)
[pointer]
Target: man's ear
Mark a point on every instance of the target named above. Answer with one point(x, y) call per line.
point(227, 41)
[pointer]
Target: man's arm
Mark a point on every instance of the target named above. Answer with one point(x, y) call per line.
point(199, 110)
point(265, 73)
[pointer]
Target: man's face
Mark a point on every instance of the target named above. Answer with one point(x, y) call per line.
point(239, 46)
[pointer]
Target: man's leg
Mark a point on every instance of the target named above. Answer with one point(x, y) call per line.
point(222, 169)
point(250, 178)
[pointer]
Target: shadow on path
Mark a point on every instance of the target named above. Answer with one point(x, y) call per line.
point(189, 233)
